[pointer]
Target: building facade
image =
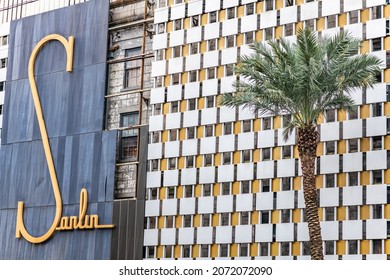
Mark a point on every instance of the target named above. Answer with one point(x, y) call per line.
point(222, 183)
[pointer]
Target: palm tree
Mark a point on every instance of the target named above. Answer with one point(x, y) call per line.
point(304, 79)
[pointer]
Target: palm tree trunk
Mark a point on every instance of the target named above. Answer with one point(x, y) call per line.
point(307, 146)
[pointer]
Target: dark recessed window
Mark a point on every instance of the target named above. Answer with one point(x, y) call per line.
point(129, 137)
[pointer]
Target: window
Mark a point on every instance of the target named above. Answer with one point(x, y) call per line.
point(194, 48)
point(175, 107)
point(177, 51)
point(3, 62)
point(244, 250)
point(377, 246)
point(330, 148)
point(246, 126)
point(263, 249)
point(186, 251)
point(329, 181)
point(212, 45)
point(190, 161)
point(330, 115)
point(311, 24)
point(169, 221)
point(150, 252)
point(353, 178)
point(306, 248)
point(4, 40)
point(171, 192)
point(269, 4)
point(267, 123)
point(284, 248)
point(1, 109)
point(376, 12)
point(209, 130)
point(225, 188)
point(377, 211)
point(227, 128)
point(188, 191)
point(160, 55)
point(176, 79)
point(377, 143)
point(352, 247)
point(187, 221)
point(353, 213)
point(172, 163)
point(269, 33)
point(329, 247)
point(246, 156)
point(2, 86)
point(288, 3)
point(208, 160)
point(211, 73)
point(329, 214)
point(286, 215)
point(244, 218)
point(353, 145)
point(213, 17)
point(151, 222)
point(129, 137)
point(286, 183)
point(193, 76)
point(331, 21)
point(173, 134)
point(388, 229)
point(249, 9)
point(206, 220)
point(178, 24)
point(353, 17)
point(377, 109)
point(162, 3)
point(377, 177)
point(154, 165)
point(204, 251)
point(266, 154)
point(224, 250)
point(161, 28)
point(354, 113)
point(229, 70)
point(289, 29)
point(231, 13)
point(207, 190)
point(265, 218)
point(210, 101)
point(195, 21)
point(191, 132)
point(133, 69)
point(245, 187)
point(376, 44)
point(249, 37)
point(265, 185)
point(225, 219)
point(230, 41)
point(226, 158)
point(286, 151)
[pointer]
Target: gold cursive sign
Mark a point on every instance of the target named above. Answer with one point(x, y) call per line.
point(59, 223)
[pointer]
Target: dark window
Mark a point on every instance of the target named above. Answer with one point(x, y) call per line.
point(269, 33)
point(267, 123)
point(169, 221)
point(263, 249)
point(329, 214)
point(244, 218)
point(330, 115)
point(210, 101)
point(190, 161)
point(2, 86)
point(231, 13)
point(209, 129)
point(171, 192)
point(377, 109)
point(376, 44)
point(329, 247)
point(245, 187)
point(377, 177)
point(246, 156)
point(212, 45)
point(286, 151)
point(205, 220)
point(129, 137)
point(284, 248)
point(133, 68)
point(377, 211)
point(354, 17)
point(305, 248)
point(266, 153)
point(353, 145)
point(310, 24)
point(195, 21)
point(187, 221)
point(289, 29)
point(286, 183)
point(244, 250)
point(250, 9)
point(207, 190)
point(208, 160)
point(332, 21)
point(191, 104)
point(377, 246)
point(265, 217)
point(286, 215)
point(227, 128)
point(190, 132)
point(246, 126)
point(188, 191)
point(352, 247)
point(225, 188)
point(377, 143)
point(186, 251)
point(230, 41)
point(353, 213)
point(329, 181)
point(225, 219)
point(353, 178)
point(224, 250)
point(269, 4)
point(227, 159)
point(4, 40)
point(265, 185)
point(3, 62)
point(204, 251)
point(376, 12)
point(194, 48)
point(330, 147)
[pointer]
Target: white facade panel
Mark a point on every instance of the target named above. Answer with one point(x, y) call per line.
point(376, 229)
point(207, 175)
point(264, 201)
point(245, 113)
point(290, 140)
point(246, 50)
point(194, 34)
point(226, 173)
point(191, 118)
point(285, 200)
point(155, 151)
point(378, 257)
point(246, 141)
point(352, 5)
point(175, 65)
point(330, 131)
point(284, 232)
point(171, 149)
point(223, 235)
point(381, 55)
point(353, 129)
point(301, 200)
point(303, 232)
point(266, 138)
point(157, 95)
point(286, 168)
point(373, 3)
point(352, 195)
point(377, 93)
point(150, 237)
point(191, 90)
point(209, 87)
point(376, 160)
point(229, 56)
point(230, 27)
point(244, 202)
point(176, 38)
point(243, 234)
point(152, 208)
point(186, 236)
point(245, 171)
point(211, 31)
point(171, 178)
point(211, 6)
point(161, 15)
point(227, 84)
point(210, 59)
point(156, 123)
point(330, 230)
point(289, 15)
point(376, 194)
point(204, 235)
point(159, 68)
point(268, 19)
point(265, 169)
point(356, 29)
point(173, 120)
point(353, 230)
point(178, 11)
point(263, 233)
point(169, 207)
point(329, 197)
point(226, 143)
point(209, 116)
point(376, 126)
point(208, 145)
point(229, 3)
point(195, 7)
point(330, 7)
point(329, 164)
point(205, 204)
point(376, 28)
point(249, 23)
point(227, 114)
point(352, 162)
point(190, 147)
point(193, 62)
point(309, 10)
point(174, 93)
point(357, 96)
point(188, 176)
point(187, 206)
point(224, 204)
point(168, 236)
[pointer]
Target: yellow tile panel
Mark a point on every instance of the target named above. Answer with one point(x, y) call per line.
point(178, 221)
point(320, 24)
point(203, 46)
point(168, 53)
point(387, 211)
point(387, 246)
point(237, 127)
point(341, 213)
point(183, 106)
point(279, 4)
point(259, 35)
point(218, 130)
point(275, 184)
point(276, 153)
point(387, 42)
point(161, 222)
point(365, 111)
point(387, 75)
point(255, 218)
point(278, 32)
point(386, 12)
point(260, 7)
point(234, 250)
point(182, 134)
point(296, 215)
point(364, 247)
point(342, 20)
point(204, 19)
point(220, 72)
point(198, 190)
point(255, 186)
point(221, 43)
point(216, 189)
point(275, 216)
point(199, 161)
point(341, 247)
point(277, 122)
point(167, 81)
point(217, 160)
point(365, 47)
point(320, 214)
point(320, 149)
point(256, 125)
point(235, 219)
point(202, 75)
point(187, 24)
point(214, 250)
point(239, 40)
point(195, 251)
point(159, 253)
point(169, 26)
point(387, 176)
point(236, 188)
point(240, 11)
point(296, 152)
point(274, 249)
point(341, 147)
point(179, 192)
point(215, 220)
point(222, 15)
point(297, 183)
point(177, 251)
point(365, 15)
point(387, 107)
point(365, 178)
point(298, 25)
point(256, 155)
point(236, 157)
point(319, 181)
point(166, 108)
point(197, 220)
point(186, 50)
point(254, 250)
point(364, 212)
point(341, 180)
point(296, 248)
point(365, 144)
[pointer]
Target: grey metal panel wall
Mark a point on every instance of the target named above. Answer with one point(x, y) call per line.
point(73, 108)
